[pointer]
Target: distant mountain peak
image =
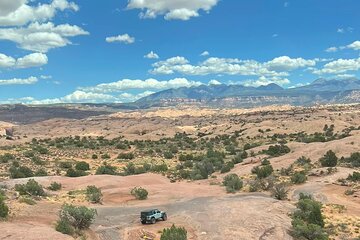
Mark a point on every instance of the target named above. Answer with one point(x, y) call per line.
point(271, 86)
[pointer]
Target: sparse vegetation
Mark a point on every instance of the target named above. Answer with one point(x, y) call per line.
point(329, 159)
point(31, 188)
point(174, 233)
point(54, 186)
point(139, 193)
point(93, 194)
point(4, 209)
point(233, 183)
point(280, 191)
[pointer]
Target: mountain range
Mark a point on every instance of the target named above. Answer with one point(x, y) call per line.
point(321, 91)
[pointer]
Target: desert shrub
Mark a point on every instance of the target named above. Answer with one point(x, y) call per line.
point(40, 149)
point(20, 172)
point(77, 217)
point(233, 183)
point(4, 210)
point(105, 156)
point(354, 159)
point(168, 155)
point(75, 173)
point(139, 193)
point(106, 170)
point(307, 220)
point(298, 178)
point(93, 194)
point(263, 171)
point(126, 156)
point(31, 188)
point(355, 177)
point(280, 191)
point(41, 172)
point(303, 161)
point(238, 158)
point(277, 150)
point(82, 166)
point(64, 227)
point(174, 233)
point(27, 200)
point(5, 158)
point(29, 154)
point(227, 167)
point(159, 168)
point(54, 186)
point(65, 165)
point(254, 185)
point(94, 156)
point(329, 159)
point(37, 161)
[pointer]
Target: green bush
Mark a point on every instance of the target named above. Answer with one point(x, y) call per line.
point(106, 170)
point(4, 210)
point(298, 178)
point(93, 194)
point(5, 158)
point(77, 217)
point(64, 227)
point(65, 165)
point(280, 191)
point(355, 177)
point(307, 220)
point(41, 172)
point(20, 172)
point(82, 166)
point(168, 155)
point(27, 200)
point(263, 171)
point(126, 156)
point(354, 159)
point(54, 186)
point(174, 233)
point(277, 150)
point(233, 183)
point(75, 173)
point(31, 188)
point(329, 159)
point(139, 193)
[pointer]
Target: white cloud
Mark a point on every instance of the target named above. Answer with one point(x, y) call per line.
point(41, 37)
point(32, 60)
point(129, 97)
point(151, 55)
point(18, 13)
point(345, 30)
point(204, 54)
point(28, 61)
point(231, 66)
point(339, 66)
point(127, 84)
point(355, 45)
point(46, 77)
point(285, 63)
point(6, 61)
point(8, 6)
point(331, 49)
point(19, 81)
point(125, 38)
point(263, 81)
point(214, 82)
point(174, 9)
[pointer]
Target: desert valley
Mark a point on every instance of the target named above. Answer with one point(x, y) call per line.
point(181, 157)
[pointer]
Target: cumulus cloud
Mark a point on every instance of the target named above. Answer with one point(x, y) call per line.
point(128, 84)
point(125, 38)
point(263, 81)
point(19, 12)
point(172, 10)
point(151, 55)
point(41, 37)
point(214, 82)
point(285, 63)
point(339, 66)
point(231, 66)
point(19, 81)
point(28, 61)
point(32, 60)
point(6, 61)
point(355, 45)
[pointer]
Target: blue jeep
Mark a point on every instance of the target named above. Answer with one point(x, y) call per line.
point(151, 216)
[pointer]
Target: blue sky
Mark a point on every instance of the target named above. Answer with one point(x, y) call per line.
point(118, 51)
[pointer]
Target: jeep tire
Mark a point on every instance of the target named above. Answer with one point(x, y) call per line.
point(164, 217)
point(143, 221)
point(153, 220)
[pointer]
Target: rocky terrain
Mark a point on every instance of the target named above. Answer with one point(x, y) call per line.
point(162, 151)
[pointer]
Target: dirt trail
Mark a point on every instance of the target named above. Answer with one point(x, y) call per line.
point(242, 216)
